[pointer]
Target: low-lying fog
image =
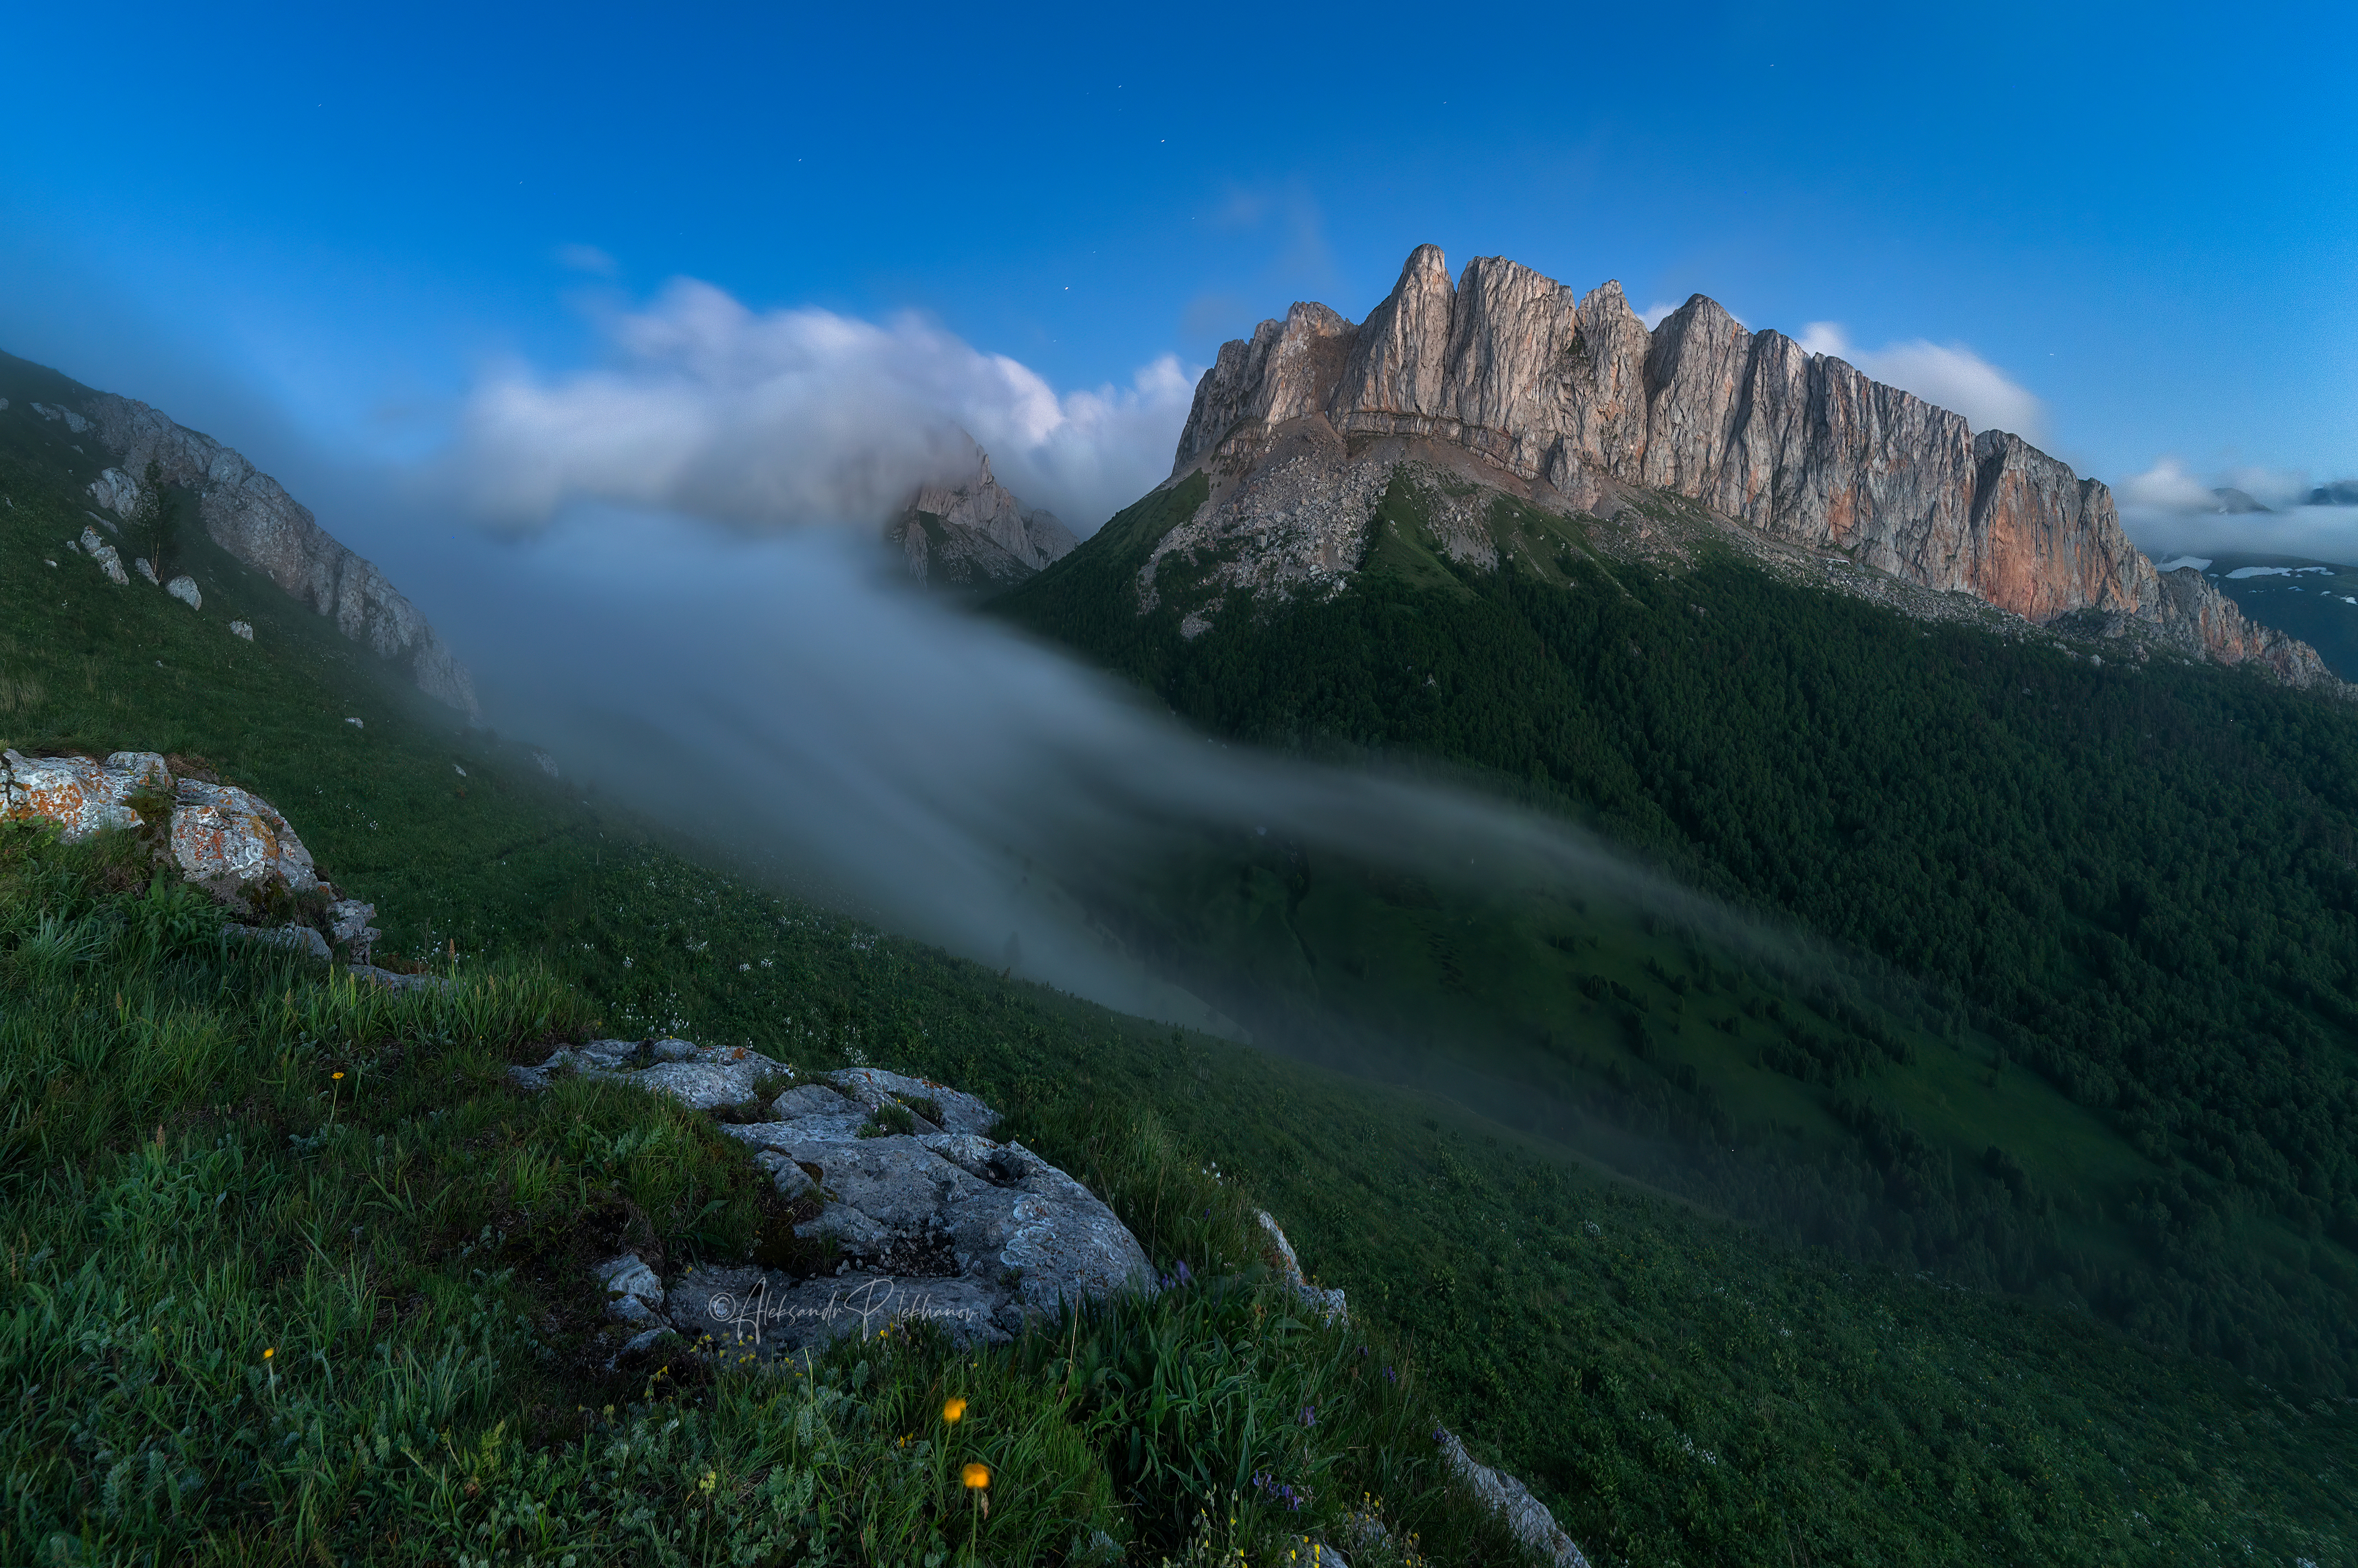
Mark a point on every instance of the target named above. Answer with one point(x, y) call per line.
point(789, 697)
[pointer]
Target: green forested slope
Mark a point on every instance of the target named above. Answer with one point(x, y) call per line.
point(1678, 1388)
point(2142, 883)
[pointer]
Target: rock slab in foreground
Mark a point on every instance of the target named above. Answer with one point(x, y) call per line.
point(943, 1222)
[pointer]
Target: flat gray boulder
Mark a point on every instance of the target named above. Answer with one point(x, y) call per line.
point(942, 1223)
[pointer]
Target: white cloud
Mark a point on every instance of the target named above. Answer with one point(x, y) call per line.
point(2273, 488)
point(793, 417)
point(2168, 487)
point(1954, 377)
point(1652, 314)
point(586, 258)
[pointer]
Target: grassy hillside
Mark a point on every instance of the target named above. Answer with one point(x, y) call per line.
point(1678, 1387)
point(2099, 1044)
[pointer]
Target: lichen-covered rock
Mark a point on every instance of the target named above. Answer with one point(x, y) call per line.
point(184, 589)
point(116, 491)
point(223, 835)
point(76, 793)
point(109, 558)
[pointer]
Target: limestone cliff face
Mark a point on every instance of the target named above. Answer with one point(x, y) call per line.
point(249, 514)
point(1576, 394)
point(970, 532)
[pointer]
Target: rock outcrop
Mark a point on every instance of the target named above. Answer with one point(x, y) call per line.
point(910, 1207)
point(230, 841)
point(1573, 403)
point(109, 559)
point(249, 514)
point(973, 533)
point(1524, 1514)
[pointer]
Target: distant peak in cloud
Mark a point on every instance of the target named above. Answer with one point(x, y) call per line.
point(803, 415)
point(2170, 486)
point(1953, 376)
point(586, 258)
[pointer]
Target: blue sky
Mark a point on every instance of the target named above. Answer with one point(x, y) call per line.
point(319, 232)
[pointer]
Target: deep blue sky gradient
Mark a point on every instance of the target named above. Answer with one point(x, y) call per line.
point(316, 225)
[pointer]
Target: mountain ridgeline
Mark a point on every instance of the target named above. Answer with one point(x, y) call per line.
point(1571, 403)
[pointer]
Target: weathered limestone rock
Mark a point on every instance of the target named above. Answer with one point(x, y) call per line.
point(702, 1077)
point(249, 514)
point(1546, 388)
point(941, 1222)
point(116, 491)
point(143, 569)
point(634, 1294)
point(1525, 1514)
point(241, 628)
point(184, 589)
point(1285, 371)
point(80, 794)
point(225, 836)
point(109, 558)
point(1328, 1302)
point(973, 533)
point(347, 923)
point(302, 939)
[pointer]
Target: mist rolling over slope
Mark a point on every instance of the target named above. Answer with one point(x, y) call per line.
point(792, 701)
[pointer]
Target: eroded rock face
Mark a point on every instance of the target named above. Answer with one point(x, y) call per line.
point(1572, 394)
point(249, 514)
point(973, 533)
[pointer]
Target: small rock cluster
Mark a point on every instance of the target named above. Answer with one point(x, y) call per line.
point(110, 561)
point(229, 839)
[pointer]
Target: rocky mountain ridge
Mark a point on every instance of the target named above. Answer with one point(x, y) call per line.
point(974, 533)
point(1515, 382)
point(250, 514)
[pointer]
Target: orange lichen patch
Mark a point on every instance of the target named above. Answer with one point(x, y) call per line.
point(81, 795)
point(220, 831)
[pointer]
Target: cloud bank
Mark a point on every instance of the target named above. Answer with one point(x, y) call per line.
point(2168, 508)
point(788, 417)
point(1954, 377)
